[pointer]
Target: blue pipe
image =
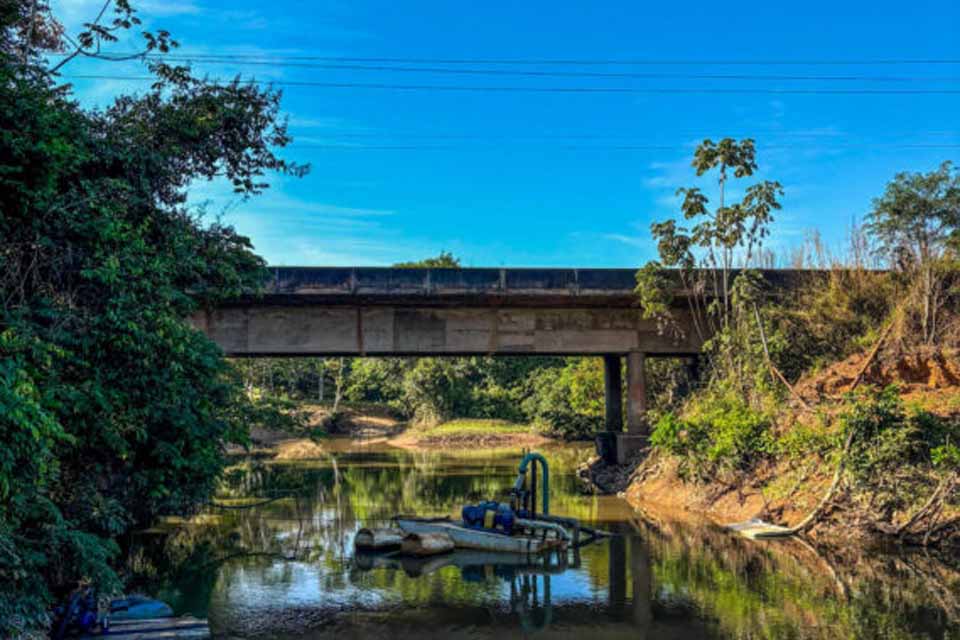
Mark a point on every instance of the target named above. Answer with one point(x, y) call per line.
point(546, 477)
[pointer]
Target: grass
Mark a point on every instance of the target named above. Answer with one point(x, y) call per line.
point(475, 427)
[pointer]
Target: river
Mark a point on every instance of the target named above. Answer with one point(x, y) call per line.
point(287, 569)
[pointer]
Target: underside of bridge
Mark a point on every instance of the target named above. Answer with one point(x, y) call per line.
point(359, 311)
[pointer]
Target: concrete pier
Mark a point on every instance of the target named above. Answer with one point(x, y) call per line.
point(638, 430)
point(613, 393)
point(637, 394)
point(617, 445)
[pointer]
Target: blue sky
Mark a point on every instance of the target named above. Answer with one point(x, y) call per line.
point(531, 179)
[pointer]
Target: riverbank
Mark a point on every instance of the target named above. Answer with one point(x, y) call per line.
point(909, 497)
point(376, 424)
point(469, 432)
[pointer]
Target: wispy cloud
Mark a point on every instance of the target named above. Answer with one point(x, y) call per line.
point(288, 229)
point(166, 8)
point(633, 241)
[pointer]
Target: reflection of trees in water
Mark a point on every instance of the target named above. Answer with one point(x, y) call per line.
point(667, 572)
point(319, 505)
point(793, 589)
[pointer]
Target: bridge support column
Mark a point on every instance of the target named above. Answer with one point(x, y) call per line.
point(613, 394)
point(636, 394)
point(637, 428)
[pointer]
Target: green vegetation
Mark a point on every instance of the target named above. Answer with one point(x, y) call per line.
point(113, 410)
point(891, 443)
point(746, 412)
point(716, 435)
point(445, 260)
point(916, 224)
point(562, 397)
point(471, 427)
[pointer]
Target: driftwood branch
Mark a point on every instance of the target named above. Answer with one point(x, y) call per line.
point(873, 354)
point(814, 515)
point(774, 371)
point(931, 506)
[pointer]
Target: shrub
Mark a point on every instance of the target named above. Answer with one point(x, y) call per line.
point(806, 439)
point(377, 380)
point(738, 436)
point(720, 432)
point(553, 404)
point(437, 389)
point(676, 436)
point(887, 436)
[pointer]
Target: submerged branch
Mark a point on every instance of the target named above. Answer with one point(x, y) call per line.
point(814, 515)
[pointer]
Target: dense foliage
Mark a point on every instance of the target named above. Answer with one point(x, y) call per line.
point(746, 416)
point(890, 441)
point(113, 410)
point(561, 396)
point(916, 223)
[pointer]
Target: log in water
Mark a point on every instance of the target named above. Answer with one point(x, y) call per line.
point(378, 539)
point(426, 544)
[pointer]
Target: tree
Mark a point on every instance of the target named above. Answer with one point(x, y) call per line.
point(716, 235)
point(917, 225)
point(445, 260)
point(113, 410)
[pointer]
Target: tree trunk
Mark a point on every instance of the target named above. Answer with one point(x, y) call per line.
point(726, 260)
point(338, 394)
point(924, 321)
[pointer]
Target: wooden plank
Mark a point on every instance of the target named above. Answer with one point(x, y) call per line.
point(158, 629)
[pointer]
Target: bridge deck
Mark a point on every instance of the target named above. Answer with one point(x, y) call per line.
point(325, 311)
point(495, 287)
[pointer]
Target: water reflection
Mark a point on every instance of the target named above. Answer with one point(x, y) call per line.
point(287, 569)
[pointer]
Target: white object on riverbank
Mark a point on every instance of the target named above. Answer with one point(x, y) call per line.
point(757, 529)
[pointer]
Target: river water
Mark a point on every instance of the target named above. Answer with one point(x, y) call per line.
point(287, 569)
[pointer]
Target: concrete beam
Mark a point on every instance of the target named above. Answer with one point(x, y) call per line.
point(320, 330)
point(345, 311)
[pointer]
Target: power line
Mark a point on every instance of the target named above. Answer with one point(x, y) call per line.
point(616, 136)
point(565, 74)
point(624, 147)
point(495, 89)
point(575, 61)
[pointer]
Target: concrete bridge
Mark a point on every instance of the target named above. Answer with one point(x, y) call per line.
point(366, 311)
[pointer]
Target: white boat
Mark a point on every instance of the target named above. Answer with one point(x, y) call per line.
point(470, 538)
point(520, 564)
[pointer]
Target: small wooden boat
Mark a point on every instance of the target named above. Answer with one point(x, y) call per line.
point(471, 538)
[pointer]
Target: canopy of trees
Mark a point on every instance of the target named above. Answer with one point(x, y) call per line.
point(112, 410)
